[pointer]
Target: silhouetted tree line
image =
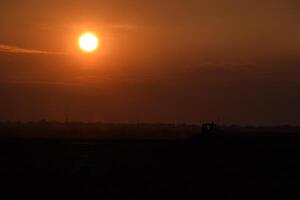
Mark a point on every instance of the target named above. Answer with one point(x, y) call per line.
point(81, 130)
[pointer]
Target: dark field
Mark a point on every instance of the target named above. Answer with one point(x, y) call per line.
point(227, 168)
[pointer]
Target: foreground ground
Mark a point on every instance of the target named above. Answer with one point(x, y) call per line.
point(226, 169)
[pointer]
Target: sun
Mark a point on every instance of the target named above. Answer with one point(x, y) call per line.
point(88, 42)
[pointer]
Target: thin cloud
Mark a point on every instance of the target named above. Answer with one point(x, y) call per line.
point(127, 27)
point(18, 50)
point(80, 27)
point(49, 83)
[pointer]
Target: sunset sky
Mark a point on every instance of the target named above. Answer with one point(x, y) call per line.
point(235, 61)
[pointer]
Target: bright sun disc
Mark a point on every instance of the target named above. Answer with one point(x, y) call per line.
point(88, 42)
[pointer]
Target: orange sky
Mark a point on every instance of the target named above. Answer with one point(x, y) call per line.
point(166, 61)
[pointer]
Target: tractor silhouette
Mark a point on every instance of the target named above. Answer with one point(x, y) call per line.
point(209, 131)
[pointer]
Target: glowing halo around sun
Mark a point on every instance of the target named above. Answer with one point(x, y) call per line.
point(88, 42)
